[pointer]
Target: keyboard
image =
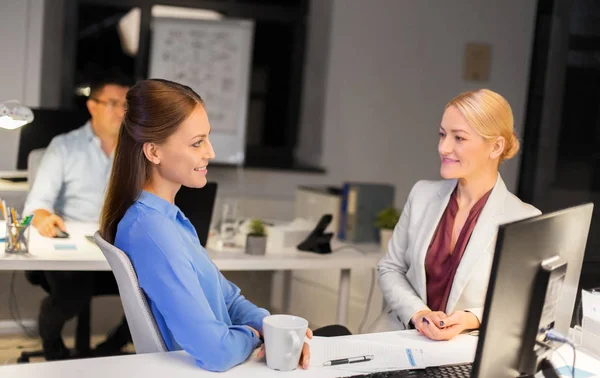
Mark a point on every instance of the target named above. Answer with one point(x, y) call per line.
point(451, 371)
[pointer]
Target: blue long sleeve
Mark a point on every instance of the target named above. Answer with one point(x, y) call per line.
point(195, 307)
point(241, 310)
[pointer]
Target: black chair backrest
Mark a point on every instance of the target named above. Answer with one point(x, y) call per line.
point(197, 204)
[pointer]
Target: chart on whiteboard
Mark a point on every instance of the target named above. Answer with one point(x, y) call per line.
point(207, 60)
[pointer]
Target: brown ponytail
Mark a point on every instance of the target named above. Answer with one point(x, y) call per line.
point(155, 108)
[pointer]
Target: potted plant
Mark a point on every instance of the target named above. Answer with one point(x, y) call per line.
point(385, 222)
point(256, 241)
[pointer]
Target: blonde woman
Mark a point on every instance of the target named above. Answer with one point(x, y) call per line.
point(435, 274)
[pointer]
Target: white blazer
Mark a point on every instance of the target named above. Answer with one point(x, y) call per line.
point(402, 269)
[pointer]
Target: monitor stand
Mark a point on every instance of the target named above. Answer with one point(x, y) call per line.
point(547, 368)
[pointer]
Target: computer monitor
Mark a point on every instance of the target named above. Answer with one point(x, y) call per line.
point(197, 204)
point(530, 290)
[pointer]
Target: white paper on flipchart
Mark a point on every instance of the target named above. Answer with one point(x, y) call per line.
point(2, 229)
point(590, 303)
point(386, 356)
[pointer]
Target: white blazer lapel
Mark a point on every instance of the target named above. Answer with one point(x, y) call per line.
point(433, 213)
point(481, 238)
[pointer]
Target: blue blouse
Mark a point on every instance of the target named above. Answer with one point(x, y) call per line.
point(195, 307)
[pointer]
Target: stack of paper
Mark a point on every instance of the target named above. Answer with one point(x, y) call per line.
point(386, 356)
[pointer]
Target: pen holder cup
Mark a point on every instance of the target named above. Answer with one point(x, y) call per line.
point(17, 239)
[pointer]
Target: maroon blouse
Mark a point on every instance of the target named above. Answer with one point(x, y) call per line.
point(441, 263)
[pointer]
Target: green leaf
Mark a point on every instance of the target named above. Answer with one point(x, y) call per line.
point(387, 218)
point(257, 228)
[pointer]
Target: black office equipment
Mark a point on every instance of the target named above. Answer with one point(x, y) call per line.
point(450, 371)
point(533, 285)
point(197, 204)
point(524, 250)
point(318, 241)
point(14, 179)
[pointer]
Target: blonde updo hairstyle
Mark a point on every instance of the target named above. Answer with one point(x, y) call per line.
point(490, 115)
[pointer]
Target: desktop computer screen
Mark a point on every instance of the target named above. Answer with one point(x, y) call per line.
point(533, 286)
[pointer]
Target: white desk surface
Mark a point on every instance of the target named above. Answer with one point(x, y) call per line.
point(181, 365)
point(8, 186)
point(87, 256)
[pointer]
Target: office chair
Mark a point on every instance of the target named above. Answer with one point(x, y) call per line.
point(37, 278)
point(33, 163)
point(144, 331)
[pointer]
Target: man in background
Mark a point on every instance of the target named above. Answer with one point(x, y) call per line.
point(70, 186)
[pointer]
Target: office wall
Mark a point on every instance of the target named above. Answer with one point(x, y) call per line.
point(12, 64)
point(20, 66)
point(389, 67)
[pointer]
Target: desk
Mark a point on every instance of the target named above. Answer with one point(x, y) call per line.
point(181, 365)
point(9, 186)
point(87, 256)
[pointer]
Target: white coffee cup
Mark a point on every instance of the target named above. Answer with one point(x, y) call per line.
point(284, 338)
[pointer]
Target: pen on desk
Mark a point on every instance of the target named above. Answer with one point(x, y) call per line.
point(349, 360)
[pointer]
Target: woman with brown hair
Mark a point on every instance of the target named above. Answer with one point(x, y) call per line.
point(164, 144)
